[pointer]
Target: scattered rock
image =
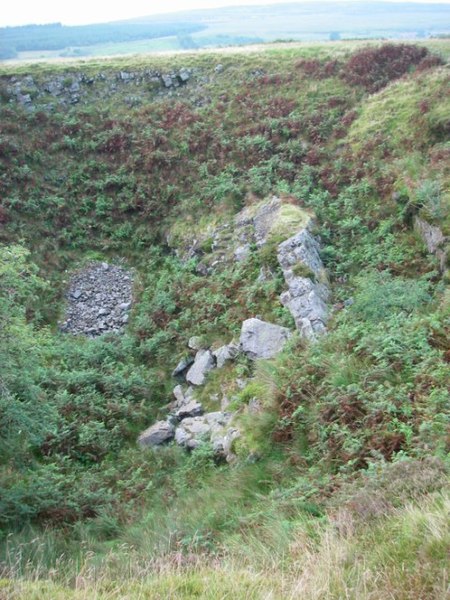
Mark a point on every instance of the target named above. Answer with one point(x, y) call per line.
point(192, 431)
point(98, 300)
point(260, 339)
point(255, 406)
point(179, 395)
point(159, 433)
point(222, 439)
point(203, 363)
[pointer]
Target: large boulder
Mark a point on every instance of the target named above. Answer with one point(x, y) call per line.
point(158, 434)
point(203, 363)
point(260, 339)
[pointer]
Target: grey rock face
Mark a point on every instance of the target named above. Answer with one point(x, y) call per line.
point(98, 300)
point(225, 353)
point(301, 248)
point(203, 363)
point(306, 298)
point(159, 433)
point(260, 339)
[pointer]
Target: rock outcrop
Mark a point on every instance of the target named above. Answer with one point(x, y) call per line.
point(306, 298)
point(298, 255)
point(307, 294)
point(231, 242)
point(260, 339)
point(98, 300)
point(77, 86)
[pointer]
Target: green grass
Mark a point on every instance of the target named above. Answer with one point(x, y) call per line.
point(402, 555)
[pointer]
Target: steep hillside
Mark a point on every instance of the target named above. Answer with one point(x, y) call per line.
point(224, 325)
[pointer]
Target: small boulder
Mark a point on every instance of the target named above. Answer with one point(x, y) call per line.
point(182, 366)
point(189, 409)
point(179, 395)
point(260, 339)
point(225, 353)
point(158, 434)
point(222, 439)
point(195, 343)
point(203, 363)
point(167, 81)
point(183, 75)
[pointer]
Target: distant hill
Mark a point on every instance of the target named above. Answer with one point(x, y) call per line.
point(301, 20)
point(229, 26)
point(55, 36)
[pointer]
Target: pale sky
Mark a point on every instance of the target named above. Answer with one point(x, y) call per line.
point(79, 12)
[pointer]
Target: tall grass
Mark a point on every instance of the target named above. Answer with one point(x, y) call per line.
point(402, 555)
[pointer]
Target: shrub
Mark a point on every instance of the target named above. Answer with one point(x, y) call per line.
point(374, 68)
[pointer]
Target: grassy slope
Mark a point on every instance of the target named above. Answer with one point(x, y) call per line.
point(371, 393)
